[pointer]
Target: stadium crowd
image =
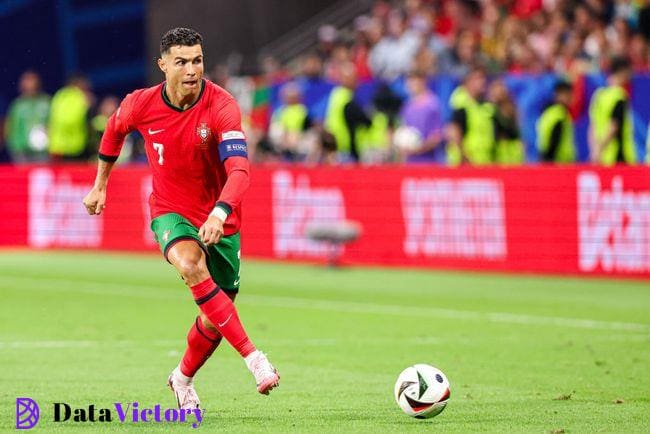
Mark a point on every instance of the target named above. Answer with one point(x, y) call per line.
point(411, 81)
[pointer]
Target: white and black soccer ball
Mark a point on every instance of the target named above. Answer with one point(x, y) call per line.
point(422, 391)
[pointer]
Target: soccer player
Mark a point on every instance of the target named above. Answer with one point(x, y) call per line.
point(198, 157)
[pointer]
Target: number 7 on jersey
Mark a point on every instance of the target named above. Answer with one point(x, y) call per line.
point(160, 148)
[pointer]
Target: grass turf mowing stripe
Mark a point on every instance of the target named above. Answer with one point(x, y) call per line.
point(100, 288)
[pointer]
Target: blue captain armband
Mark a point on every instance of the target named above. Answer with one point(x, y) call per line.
point(233, 148)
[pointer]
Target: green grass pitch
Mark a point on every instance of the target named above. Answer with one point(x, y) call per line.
point(523, 353)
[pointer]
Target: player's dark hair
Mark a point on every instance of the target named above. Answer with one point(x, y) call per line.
point(179, 36)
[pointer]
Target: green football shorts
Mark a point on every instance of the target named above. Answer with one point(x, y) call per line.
point(223, 258)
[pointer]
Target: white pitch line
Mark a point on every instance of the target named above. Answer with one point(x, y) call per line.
point(148, 291)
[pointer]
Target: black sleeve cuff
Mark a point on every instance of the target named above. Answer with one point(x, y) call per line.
point(108, 158)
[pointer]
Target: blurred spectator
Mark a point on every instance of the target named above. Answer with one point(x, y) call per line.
point(258, 121)
point(555, 140)
point(422, 112)
point(425, 61)
point(327, 37)
point(314, 87)
point(509, 148)
point(107, 107)
point(525, 8)
point(344, 116)
point(611, 129)
point(289, 122)
point(457, 59)
point(374, 140)
point(639, 54)
point(644, 19)
point(380, 10)
point(394, 53)
point(324, 149)
point(333, 66)
point(462, 15)
point(361, 47)
point(273, 71)
point(25, 125)
point(68, 128)
point(471, 132)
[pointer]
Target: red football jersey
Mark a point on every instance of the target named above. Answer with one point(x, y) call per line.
point(186, 149)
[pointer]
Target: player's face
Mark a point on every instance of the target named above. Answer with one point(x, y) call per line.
point(183, 68)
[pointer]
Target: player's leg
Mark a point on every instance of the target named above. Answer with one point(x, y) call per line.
point(190, 260)
point(182, 247)
point(202, 340)
point(224, 263)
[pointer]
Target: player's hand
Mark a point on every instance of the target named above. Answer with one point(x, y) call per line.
point(95, 201)
point(211, 231)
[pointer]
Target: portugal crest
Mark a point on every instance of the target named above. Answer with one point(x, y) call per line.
point(204, 132)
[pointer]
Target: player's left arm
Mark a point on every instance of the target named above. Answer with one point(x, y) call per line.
point(233, 154)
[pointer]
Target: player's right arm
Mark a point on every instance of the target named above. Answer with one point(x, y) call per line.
point(119, 125)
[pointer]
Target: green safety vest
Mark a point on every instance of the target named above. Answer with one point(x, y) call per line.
point(566, 152)
point(26, 114)
point(479, 137)
point(68, 129)
point(335, 117)
point(509, 151)
point(376, 135)
point(600, 112)
point(291, 117)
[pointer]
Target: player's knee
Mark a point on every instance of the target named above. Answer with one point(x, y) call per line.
point(191, 269)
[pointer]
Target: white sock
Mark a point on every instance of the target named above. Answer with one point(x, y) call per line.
point(249, 358)
point(180, 378)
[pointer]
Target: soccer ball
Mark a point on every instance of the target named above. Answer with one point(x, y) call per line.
point(407, 138)
point(422, 391)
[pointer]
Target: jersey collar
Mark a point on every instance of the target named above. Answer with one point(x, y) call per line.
point(176, 108)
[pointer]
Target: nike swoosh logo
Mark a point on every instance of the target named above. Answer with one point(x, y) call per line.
point(152, 132)
point(221, 324)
